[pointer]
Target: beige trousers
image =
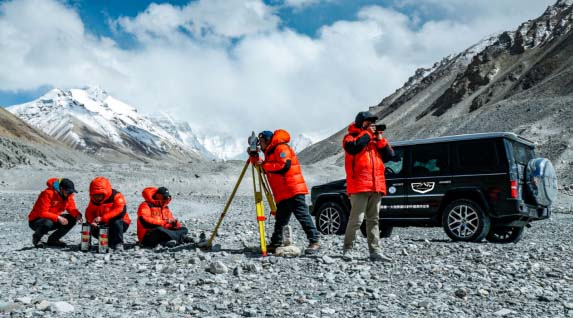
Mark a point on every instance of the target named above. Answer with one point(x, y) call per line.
point(364, 203)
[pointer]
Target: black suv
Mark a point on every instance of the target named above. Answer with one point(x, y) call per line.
point(476, 186)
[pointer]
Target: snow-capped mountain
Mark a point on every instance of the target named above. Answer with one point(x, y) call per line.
point(91, 120)
point(224, 146)
point(182, 132)
point(300, 142)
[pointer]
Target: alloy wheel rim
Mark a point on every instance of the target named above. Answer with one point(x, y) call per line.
point(463, 221)
point(329, 220)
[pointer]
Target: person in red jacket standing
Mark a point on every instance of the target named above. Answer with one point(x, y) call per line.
point(107, 208)
point(288, 186)
point(155, 222)
point(47, 214)
point(365, 182)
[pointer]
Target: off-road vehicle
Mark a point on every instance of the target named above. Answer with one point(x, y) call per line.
point(476, 186)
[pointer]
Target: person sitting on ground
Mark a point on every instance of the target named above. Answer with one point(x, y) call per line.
point(155, 222)
point(107, 208)
point(47, 214)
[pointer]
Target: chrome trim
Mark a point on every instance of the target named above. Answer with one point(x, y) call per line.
point(445, 182)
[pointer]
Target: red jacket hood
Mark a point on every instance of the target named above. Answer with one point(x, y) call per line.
point(101, 185)
point(280, 136)
point(50, 183)
point(353, 130)
point(148, 194)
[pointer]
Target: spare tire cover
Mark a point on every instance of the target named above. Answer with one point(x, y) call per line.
point(542, 180)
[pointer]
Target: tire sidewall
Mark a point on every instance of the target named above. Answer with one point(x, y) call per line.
point(484, 221)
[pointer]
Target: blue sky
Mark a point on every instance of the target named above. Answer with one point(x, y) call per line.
point(240, 60)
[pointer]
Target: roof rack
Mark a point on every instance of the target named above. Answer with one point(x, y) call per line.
point(477, 136)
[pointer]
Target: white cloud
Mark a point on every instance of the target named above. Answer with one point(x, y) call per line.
point(230, 67)
point(298, 4)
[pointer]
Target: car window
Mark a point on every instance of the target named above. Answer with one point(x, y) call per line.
point(395, 165)
point(478, 155)
point(522, 153)
point(429, 160)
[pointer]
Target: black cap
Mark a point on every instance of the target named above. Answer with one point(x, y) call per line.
point(68, 185)
point(364, 116)
point(164, 192)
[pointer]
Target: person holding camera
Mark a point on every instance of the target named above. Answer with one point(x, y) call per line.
point(288, 186)
point(364, 147)
point(155, 222)
point(46, 215)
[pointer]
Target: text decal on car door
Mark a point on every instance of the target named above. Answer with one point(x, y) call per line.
point(423, 187)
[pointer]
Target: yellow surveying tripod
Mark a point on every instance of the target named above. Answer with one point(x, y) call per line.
point(260, 184)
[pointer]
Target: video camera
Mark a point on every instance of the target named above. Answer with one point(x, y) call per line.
point(254, 145)
point(380, 127)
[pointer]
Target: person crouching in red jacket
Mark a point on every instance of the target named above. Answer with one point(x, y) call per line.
point(155, 222)
point(107, 208)
point(287, 183)
point(47, 214)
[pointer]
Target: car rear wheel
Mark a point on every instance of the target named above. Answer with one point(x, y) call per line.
point(505, 235)
point(385, 230)
point(464, 220)
point(331, 218)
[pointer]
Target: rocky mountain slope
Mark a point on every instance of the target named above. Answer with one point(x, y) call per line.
point(92, 121)
point(517, 81)
point(21, 144)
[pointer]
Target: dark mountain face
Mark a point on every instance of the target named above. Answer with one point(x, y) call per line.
point(519, 81)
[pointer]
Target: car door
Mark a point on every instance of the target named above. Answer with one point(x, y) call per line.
point(428, 180)
point(392, 204)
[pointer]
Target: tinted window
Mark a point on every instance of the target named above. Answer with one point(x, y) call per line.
point(480, 155)
point(522, 153)
point(395, 165)
point(429, 160)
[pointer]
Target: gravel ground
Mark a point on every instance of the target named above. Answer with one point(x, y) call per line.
point(429, 277)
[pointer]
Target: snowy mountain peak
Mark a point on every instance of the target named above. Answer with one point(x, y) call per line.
point(91, 120)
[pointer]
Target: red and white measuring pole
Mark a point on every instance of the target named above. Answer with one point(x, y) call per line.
point(85, 243)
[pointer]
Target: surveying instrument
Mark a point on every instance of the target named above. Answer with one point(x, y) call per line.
point(260, 185)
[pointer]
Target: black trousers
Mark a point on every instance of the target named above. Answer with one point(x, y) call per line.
point(161, 235)
point(41, 227)
point(297, 206)
point(115, 232)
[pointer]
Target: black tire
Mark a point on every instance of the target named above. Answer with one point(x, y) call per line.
point(385, 230)
point(505, 235)
point(331, 218)
point(541, 181)
point(464, 220)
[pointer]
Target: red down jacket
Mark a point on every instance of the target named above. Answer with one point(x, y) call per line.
point(282, 168)
point(112, 206)
point(50, 204)
point(152, 213)
point(365, 169)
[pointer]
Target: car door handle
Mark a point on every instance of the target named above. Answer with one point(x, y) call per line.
point(397, 184)
point(445, 182)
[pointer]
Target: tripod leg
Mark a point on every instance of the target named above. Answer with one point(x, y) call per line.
point(210, 242)
point(260, 210)
point(266, 187)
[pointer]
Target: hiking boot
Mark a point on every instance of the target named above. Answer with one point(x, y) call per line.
point(379, 257)
point(347, 255)
point(56, 243)
point(272, 248)
point(118, 247)
point(37, 241)
point(312, 249)
point(171, 243)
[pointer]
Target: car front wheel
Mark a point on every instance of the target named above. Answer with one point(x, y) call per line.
point(331, 218)
point(464, 220)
